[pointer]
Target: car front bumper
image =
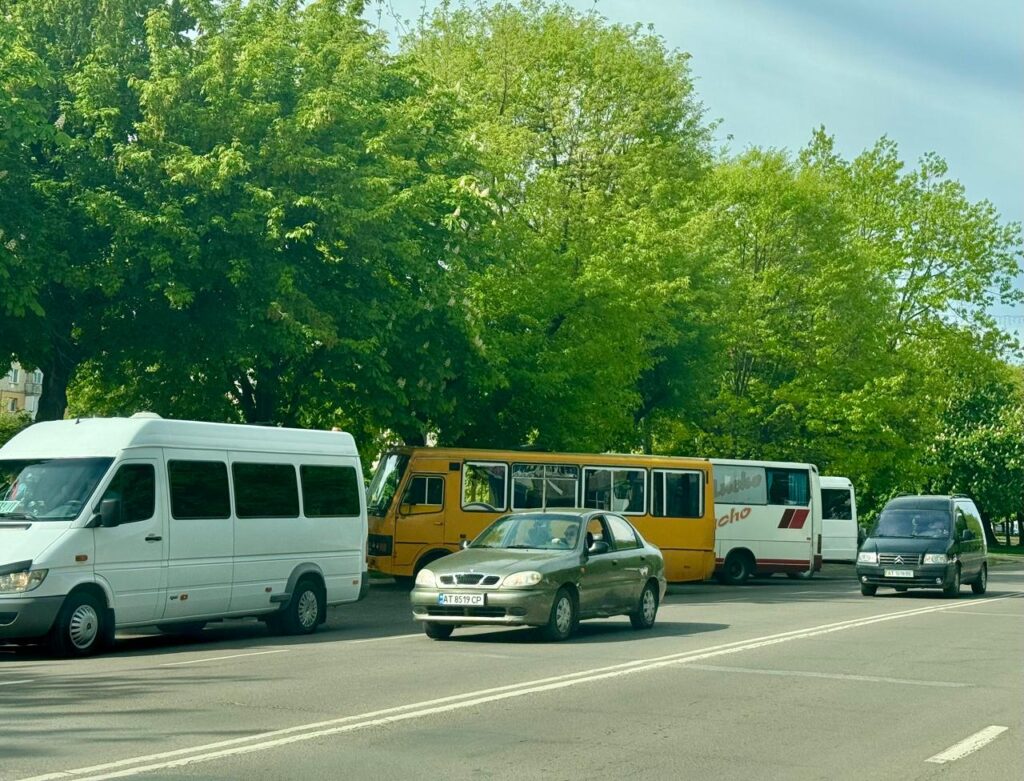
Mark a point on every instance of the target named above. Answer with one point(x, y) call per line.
point(28, 617)
point(520, 607)
point(925, 576)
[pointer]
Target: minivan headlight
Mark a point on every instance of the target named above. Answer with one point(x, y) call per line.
point(936, 558)
point(425, 578)
point(522, 579)
point(867, 557)
point(20, 582)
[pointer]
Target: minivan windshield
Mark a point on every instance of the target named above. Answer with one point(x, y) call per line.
point(385, 483)
point(48, 490)
point(910, 522)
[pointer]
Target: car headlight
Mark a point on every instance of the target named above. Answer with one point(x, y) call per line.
point(522, 579)
point(425, 578)
point(20, 582)
point(867, 557)
point(936, 558)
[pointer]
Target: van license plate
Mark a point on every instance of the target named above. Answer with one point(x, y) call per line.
point(461, 600)
point(899, 573)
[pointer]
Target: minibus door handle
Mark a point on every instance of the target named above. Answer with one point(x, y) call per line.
point(153, 538)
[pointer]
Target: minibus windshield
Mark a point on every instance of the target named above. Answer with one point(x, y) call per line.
point(911, 522)
point(48, 490)
point(385, 483)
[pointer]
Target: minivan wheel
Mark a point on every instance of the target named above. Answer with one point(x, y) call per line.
point(81, 628)
point(562, 619)
point(953, 589)
point(980, 585)
point(437, 631)
point(304, 611)
point(868, 590)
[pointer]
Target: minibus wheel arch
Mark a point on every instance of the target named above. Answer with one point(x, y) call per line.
point(429, 558)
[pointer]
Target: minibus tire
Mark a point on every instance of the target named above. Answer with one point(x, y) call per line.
point(304, 611)
point(83, 626)
point(736, 569)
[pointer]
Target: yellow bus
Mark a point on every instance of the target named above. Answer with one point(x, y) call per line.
point(423, 502)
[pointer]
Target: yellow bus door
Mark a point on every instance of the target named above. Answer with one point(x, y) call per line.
point(419, 524)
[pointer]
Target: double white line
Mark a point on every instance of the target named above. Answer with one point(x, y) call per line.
point(264, 741)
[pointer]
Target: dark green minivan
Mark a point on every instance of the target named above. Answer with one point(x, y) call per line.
point(932, 542)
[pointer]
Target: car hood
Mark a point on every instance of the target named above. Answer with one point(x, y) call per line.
point(27, 540)
point(906, 544)
point(501, 561)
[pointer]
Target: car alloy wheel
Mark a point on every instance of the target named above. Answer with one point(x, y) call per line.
point(647, 610)
point(562, 619)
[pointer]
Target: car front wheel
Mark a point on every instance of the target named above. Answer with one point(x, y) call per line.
point(438, 631)
point(562, 619)
point(643, 617)
point(953, 589)
point(868, 591)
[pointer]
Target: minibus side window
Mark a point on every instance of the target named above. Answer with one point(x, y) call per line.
point(199, 489)
point(135, 486)
point(788, 486)
point(329, 491)
point(424, 490)
point(265, 490)
point(836, 504)
point(620, 490)
point(483, 486)
point(677, 494)
point(740, 484)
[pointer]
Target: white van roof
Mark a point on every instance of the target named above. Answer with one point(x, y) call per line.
point(91, 437)
point(770, 464)
point(831, 481)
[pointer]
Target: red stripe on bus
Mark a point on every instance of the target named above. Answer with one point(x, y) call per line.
point(799, 518)
point(787, 516)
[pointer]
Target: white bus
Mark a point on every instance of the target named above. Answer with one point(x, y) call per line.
point(838, 520)
point(109, 523)
point(768, 519)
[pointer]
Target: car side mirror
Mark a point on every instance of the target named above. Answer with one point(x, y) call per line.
point(599, 547)
point(110, 513)
point(967, 535)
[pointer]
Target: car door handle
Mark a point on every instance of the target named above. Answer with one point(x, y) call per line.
point(153, 538)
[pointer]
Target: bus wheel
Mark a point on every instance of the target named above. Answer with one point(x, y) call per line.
point(736, 569)
point(437, 631)
point(807, 575)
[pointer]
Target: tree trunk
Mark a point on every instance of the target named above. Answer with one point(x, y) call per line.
point(1020, 528)
point(58, 369)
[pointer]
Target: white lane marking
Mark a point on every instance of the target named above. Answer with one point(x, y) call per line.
point(968, 745)
point(378, 639)
point(980, 613)
point(12, 683)
point(831, 676)
point(219, 658)
point(303, 732)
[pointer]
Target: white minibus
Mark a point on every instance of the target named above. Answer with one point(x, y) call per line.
point(768, 519)
point(109, 523)
point(838, 520)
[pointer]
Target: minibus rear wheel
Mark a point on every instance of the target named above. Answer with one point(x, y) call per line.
point(304, 611)
point(83, 626)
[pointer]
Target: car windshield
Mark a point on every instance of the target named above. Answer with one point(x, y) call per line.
point(385, 483)
point(541, 532)
point(911, 522)
point(48, 490)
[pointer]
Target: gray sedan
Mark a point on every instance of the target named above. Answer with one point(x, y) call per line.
point(548, 569)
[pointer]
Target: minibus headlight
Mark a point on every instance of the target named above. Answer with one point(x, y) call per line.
point(425, 578)
point(936, 558)
point(20, 582)
point(522, 579)
point(867, 557)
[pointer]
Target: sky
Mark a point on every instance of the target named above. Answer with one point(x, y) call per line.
point(944, 76)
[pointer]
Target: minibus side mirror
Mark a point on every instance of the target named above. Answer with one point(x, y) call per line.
point(110, 513)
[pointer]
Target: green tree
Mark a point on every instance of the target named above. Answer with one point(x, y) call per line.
point(588, 140)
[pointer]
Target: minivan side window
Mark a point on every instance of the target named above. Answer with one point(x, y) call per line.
point(199, 489)
point(265, 490)
point(135, 486)
point(329, 491)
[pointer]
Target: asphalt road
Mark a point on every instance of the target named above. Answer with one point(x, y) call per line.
point(778, 679)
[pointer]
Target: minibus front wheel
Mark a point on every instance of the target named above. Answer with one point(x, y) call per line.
point(84, 626)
